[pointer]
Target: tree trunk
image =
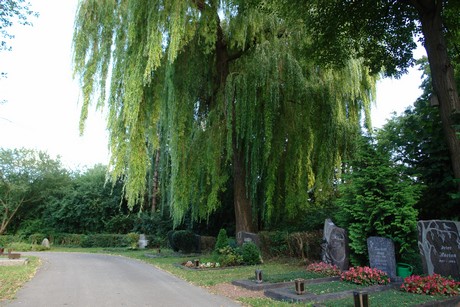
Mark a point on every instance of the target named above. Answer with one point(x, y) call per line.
point(241, 202)
point(155, 182)
point(442, 75)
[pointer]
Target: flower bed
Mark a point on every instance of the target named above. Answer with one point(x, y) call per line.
point(431, 285)
point(365, 276)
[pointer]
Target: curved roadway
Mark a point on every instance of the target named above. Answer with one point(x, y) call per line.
point(76, 279)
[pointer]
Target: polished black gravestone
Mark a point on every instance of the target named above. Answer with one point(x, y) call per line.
point(439, 245)
point(382, 255)
point(335, 246)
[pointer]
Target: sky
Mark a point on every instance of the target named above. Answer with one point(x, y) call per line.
point(43, 100)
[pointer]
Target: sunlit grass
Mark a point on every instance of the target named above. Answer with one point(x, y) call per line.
point(13, 277)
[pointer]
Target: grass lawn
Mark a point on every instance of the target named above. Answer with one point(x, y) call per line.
point(13, 277)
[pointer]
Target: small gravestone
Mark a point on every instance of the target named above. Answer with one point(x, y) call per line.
point(335, 245)
point(244, 237)
point(46, 243)
point(382, 255)
point(142, 241)
point(439, 245)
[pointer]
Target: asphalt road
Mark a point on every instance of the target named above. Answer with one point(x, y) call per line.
point(74, 279)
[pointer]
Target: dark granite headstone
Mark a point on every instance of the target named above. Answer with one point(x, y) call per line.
point(439, 245)
point(382, 255)
point(243, 237)
point(335, 246)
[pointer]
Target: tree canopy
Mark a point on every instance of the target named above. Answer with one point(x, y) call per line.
point(382, 33)
point(227, 92)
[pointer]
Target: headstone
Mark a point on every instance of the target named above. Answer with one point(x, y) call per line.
point(46, 243)
point(382, 255)
point(335, 246)
point(243, 237)
point(142, 241)
point(439, 245)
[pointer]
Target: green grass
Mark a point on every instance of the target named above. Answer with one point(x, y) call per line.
point(388, 298)
point(288, 276)
point(13, 277)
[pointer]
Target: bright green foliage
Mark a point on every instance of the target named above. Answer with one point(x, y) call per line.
point(229, 256)
point(205, 88)
point(376, 199)
point(133, 239)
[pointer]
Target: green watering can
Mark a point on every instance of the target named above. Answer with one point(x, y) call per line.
point(403, 270)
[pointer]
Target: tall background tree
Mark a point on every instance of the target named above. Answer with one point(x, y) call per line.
point(27, 177)
point(230, 96)
point(415, 140)
point(382, 32)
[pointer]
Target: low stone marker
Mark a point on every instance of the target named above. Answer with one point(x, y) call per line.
point(335, 246)
point(46, 243)
point(382, 255)
point(439, 245)
point(142, 241)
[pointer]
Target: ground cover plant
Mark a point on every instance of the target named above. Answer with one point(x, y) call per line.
point(13, 277)
point(365, 276)
point(431, 285)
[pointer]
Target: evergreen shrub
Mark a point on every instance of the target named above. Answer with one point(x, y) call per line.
point(250, 253)
point(221, 241)
point(185, 241)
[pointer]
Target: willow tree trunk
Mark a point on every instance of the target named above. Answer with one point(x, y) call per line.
point(442, 75)
point(241, 201)
point(155, 182)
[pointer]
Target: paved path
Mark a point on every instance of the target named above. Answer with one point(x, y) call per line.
point(83, 280)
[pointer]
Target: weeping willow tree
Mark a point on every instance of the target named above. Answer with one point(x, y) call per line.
point(227, 93)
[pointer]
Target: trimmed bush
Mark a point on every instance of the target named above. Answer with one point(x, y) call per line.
point(221, 242)
point(25, 247)
point(207, 243)
point(250, 253)
point(105, 240)
point(184, 241)
point(132, 239)
point(36, 238)
point(305, 245)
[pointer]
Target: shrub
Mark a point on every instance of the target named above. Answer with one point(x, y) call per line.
point(229, 257)
point(207, 243)
point(132, 240)
point(325, 269)
point(6, 239)
point(185, 241)
point(104, 240)
point(365, 276)
point(250, 253)
point(68, 239)
point(36, 238)
point(431, 285)
point(221, 241)
point(25, 247)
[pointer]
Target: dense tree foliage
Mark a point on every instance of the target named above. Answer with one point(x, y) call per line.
point(26, 178)
point(227, 92)
point(376, 198)
point(415, 140)
point(382, 32)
